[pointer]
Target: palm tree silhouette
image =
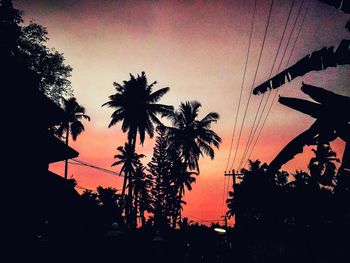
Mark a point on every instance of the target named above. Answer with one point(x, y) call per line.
point(191, 137)
point(182, 178)
point(249, 200)
point(142, 191)
point(129, 160)
point(300, 178)
point(322, 167)
point(73, 124)
point(109, 202)
point(136, 107)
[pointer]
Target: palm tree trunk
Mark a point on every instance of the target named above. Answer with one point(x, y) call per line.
point(134, 219)
point(129, 206)
point(122, 198)
point(143, 219)
point(66, 161)
point(179, 205)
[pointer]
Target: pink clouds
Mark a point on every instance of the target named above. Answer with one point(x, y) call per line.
point(197, 48)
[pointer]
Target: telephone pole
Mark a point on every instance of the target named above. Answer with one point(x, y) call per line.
point(225, 219)
point(234, 182)
point(234, 176)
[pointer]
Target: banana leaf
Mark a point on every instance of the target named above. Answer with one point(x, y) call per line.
point(337, 103)
point(307, 107)
point(295, 147)
point(317, 60)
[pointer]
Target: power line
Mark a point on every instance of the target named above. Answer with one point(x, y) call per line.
point(242, 85)
point(84, 188)
point(225, 192)
point(253, 128)
point(79, 162)
point(197, 219)
point(276, 92)
point(250, 93)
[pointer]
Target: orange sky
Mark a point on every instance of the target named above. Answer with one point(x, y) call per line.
point(197, 48)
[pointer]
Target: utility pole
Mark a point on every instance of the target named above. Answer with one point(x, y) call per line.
point(234, 182)
point(225, 218)
point(234, 176)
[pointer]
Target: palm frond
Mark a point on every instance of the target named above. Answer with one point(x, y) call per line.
point(155, 96)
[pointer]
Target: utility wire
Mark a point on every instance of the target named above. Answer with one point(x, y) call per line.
point(197, 219)
point(253, 128)
point(242, 85)
point(79, 162)
point(250, 93)
point(225, 193)
point(275, 95)
point(84, 188)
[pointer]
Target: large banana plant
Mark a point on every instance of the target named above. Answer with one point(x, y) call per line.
point(331, 110)
point(317, 60)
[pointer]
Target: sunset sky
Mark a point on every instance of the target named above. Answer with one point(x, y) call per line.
point(198, 49)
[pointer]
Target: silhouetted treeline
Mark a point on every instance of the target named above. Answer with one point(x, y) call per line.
point(293, 217)
point(158, 190)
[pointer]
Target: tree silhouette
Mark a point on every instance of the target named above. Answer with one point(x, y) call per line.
point(160, 169)
point(27, 44)
point(136, 107)
point(129, 160)
point(47, 63)
point(143, 202)
point(73, 124)
point(181, 179)
point(109, 201)
point(252, 198)
point(191, 137)
point(322, 167)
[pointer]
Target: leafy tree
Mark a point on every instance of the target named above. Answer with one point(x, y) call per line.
point(46, 62)
point(27, 44)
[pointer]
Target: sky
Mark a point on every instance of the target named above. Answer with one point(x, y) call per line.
point(198, 49)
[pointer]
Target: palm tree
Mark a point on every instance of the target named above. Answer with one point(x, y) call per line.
point(136, 107)
point(73, 124)
point(129, 160)
point(184, 179)
point(142, 191)
point(250, 200)
point(109, 202)
point(179, 179)
point(322, 167)
point(301, 178)
point(190, 137)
